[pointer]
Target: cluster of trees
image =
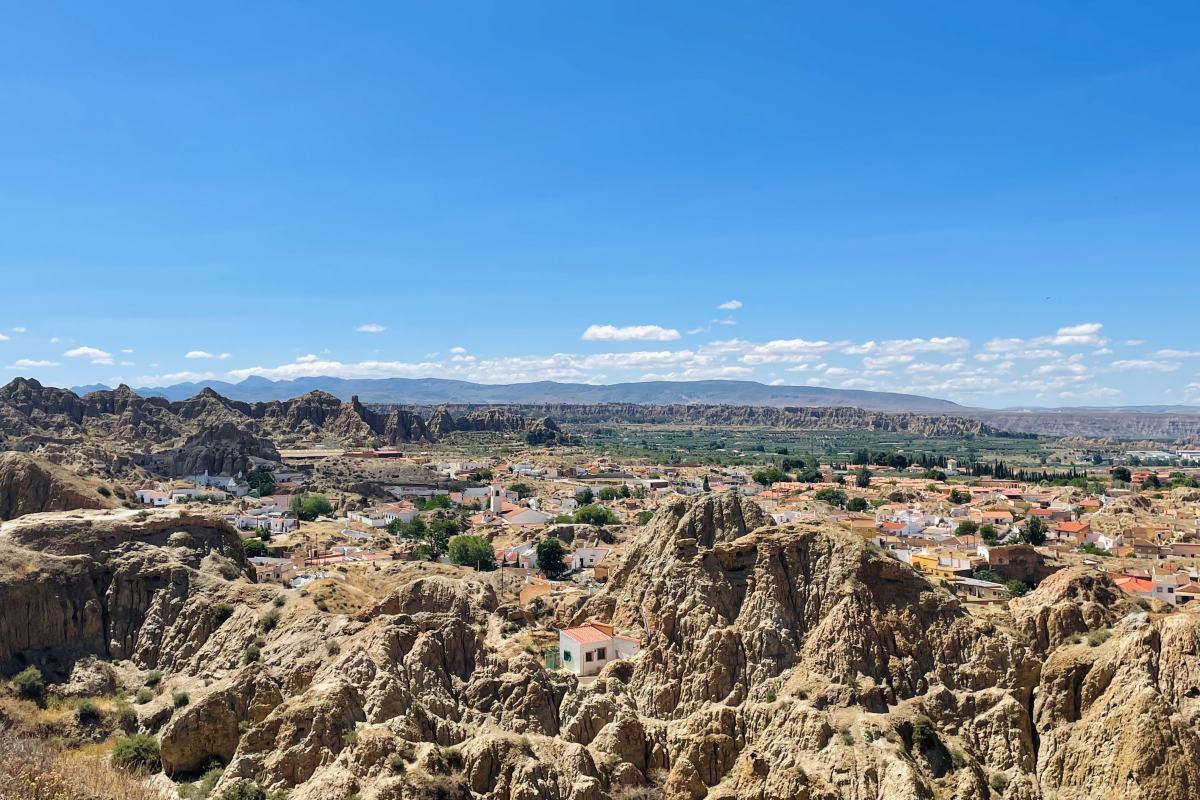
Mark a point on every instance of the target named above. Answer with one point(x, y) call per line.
point(592, 514)
point(1001, 471)
point(432, 537)
point(864, 457)
point(310, 506)
point(472, 551)
point(550, 555)
point(261, 483)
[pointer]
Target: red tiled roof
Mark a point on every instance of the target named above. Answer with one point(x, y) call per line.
point(587, 634)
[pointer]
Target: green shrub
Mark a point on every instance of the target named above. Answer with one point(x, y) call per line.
point(268, 621)
point(771, 695)
point(154, 677)
point(144, 695)
point(332, 647)
point(243, 790)
point(1098, 637)
point(126, 717)
point(222, 612)
point(998, 782)
point(180, 699)
point(251, 653)
point(137, 752)
point(846, 736)
point(30, 684)
point(86, 713)
point(279, 601)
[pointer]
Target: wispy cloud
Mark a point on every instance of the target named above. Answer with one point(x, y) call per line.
point(96, 355)
point(730, 305)
point(204, 354)
point(30, 363)
point(629, 333)
point(371, 327)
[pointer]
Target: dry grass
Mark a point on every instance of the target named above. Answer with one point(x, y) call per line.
point(31, 769)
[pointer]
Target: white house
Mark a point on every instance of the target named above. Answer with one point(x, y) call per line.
point(584, 557)
point(586, 649)
point(153, 497)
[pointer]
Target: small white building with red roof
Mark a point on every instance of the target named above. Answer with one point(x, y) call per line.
point(587, 648)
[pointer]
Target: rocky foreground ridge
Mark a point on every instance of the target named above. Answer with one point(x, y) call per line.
point(778, 662)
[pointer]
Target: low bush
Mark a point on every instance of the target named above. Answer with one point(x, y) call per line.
point(86, 713)
point(138, 752)
point(180, 699)
point(144, 695)
point(30, 684)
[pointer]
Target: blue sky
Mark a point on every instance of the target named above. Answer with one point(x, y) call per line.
point(994, 205)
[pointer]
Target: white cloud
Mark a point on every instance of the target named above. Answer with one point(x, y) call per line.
point(730, 305)
point(27, 363)
point(783, 351)
point(457, 350)
point(1083, 334)
point(629, 333)
point(87, 352)
point(308, 359)
point(1169, 353)
point(1142, 365)
point(3, 338)
point(936, 344)
point(126, 349)
point(20, 329)
point(204, 354)
point(371, 327)
point(880, 362)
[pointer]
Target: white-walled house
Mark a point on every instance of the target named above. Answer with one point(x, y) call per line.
point(153, 497)
point(584, 557)
point(586, 649)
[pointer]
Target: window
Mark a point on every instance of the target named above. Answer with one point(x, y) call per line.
point(587, 656)
point(602, 654)
point(566, 655)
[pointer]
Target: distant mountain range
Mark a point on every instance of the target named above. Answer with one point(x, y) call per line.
point(433, 391)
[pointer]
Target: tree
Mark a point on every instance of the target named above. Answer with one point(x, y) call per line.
point(472, 551)
point(310, 506)
point(523, 490)
point(1152, 482)
point(988, 532)
point(769, 476)
point(862, 456)
point(1121, 474)
point(608, 494)
point(958, 497)
point(584, 496)
point(966, 528)
point(644, 517)
point(857, 504)
point(262, 483)
point(437, 538)
point(1034, 532)
point(935, 475)
point(255, 548)
point(1016, 588)
point(595, 515)
point(704, 486)
point(550, 555)
point(414, 529)
point(835, 497)
point(862, 478)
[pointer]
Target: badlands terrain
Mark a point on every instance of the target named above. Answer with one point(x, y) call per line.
point(790, 661)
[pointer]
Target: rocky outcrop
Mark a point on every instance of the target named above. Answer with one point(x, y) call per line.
point(113, 584)
point(30, 485)
point(777, 662)
point(223, 449)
